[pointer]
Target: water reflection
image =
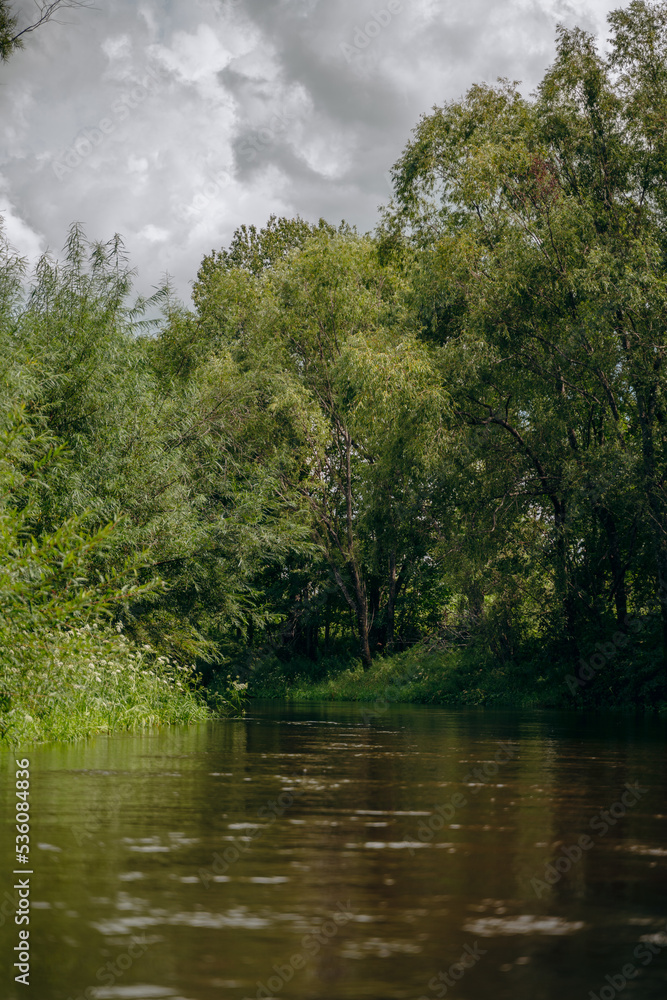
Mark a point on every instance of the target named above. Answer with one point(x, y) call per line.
point(305, 853)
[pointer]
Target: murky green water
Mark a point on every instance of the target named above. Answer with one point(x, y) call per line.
point(307, 853)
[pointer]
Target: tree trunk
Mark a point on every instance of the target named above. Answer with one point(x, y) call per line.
point(375, 625)
point(359, 586)
point(661, 560)
point(362, 621)
point(619, 589)
point(359, 607)
point(362, 617)
point(657, 507)
point(327, 625)
point(563, 582)
point(391, 601)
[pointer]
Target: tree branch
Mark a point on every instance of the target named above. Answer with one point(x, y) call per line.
point(46, 12)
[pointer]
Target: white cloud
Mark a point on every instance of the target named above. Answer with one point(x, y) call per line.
point(119, 47)
point(137, 164)
point(328, 154)
point(20, 235)
point(252, 108)
point(153, 234)
point(195, 56)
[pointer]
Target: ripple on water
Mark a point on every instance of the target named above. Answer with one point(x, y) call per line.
point(378, 948)
point(656, 852)
point(268, 879)
point(524, 923)
point(140, 991)
point(237, 917)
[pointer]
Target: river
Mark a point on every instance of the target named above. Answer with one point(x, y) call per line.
point(346, 852)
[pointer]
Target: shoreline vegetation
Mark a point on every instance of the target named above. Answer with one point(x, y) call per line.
point(610, 676)
point(89, 680)
point(430, 459)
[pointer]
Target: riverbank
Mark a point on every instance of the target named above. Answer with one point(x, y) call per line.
point(64, 686)
point(68, 685)
point(468, 678)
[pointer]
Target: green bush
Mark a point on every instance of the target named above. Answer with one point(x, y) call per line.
point(64, 673)
point(65, 684)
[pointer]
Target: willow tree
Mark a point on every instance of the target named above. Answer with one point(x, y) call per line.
point(350, 408)
point(540, 225)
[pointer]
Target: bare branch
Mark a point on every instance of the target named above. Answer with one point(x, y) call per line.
point(46, 12)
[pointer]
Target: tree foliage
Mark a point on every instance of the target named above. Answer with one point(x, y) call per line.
point(452, 431)
point(540, 232)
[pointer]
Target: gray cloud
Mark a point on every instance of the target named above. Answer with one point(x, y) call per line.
point(174, 122)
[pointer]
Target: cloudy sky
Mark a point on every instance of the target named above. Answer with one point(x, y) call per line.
point(174, 121)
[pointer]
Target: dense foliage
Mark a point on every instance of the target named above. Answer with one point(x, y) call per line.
point(444, 440)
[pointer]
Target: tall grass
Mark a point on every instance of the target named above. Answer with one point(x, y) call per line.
point(70, 683)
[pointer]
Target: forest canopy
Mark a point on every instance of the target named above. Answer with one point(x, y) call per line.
point(449, 434)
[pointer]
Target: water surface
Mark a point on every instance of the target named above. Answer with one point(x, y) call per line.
point(314, 852)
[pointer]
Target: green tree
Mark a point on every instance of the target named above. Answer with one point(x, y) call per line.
point(322, 330)
point(148, 421)
point(45, 580)
point(539, 227)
